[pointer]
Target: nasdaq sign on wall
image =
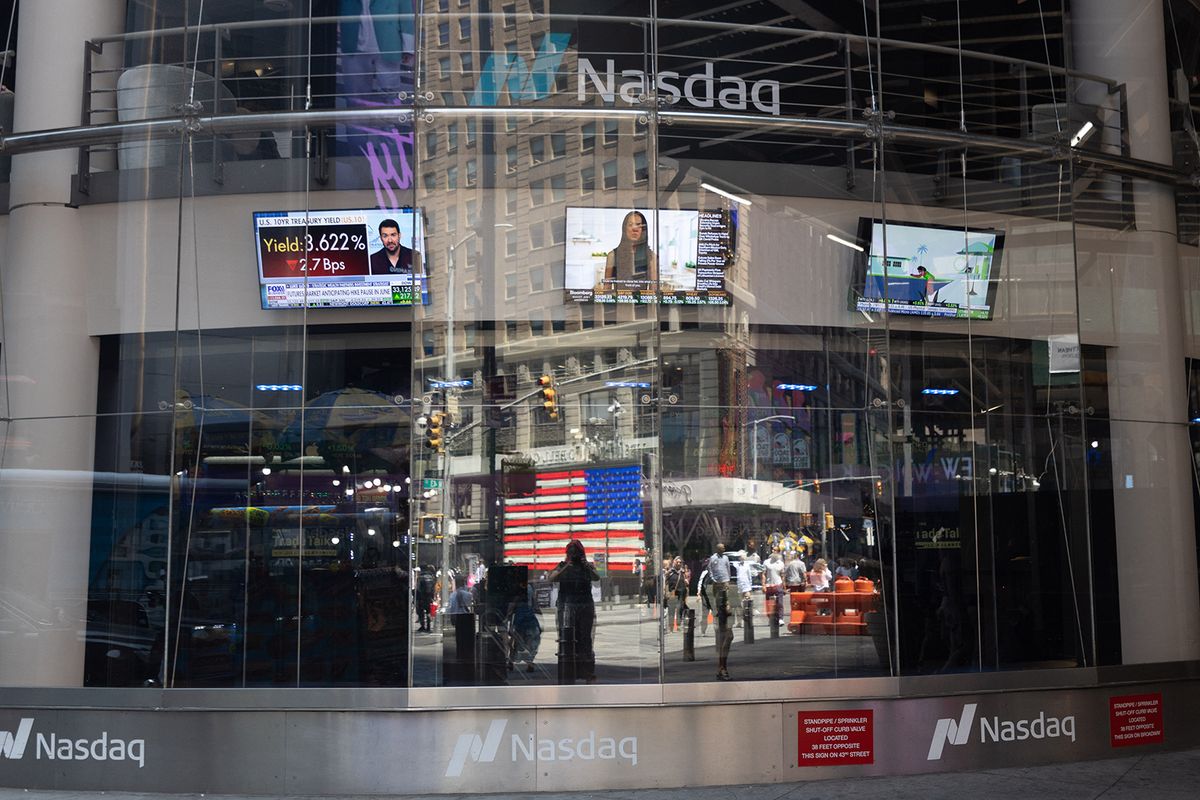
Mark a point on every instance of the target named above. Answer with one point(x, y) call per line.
point(535, 80)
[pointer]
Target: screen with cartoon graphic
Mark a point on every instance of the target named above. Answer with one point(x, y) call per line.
point(927, 270)
point(340, 259)
point(669, 256)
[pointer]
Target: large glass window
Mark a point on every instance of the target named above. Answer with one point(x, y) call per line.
point(835, 352)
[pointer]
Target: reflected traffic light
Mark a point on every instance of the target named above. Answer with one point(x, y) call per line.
point(435, 431)
point(549, 396)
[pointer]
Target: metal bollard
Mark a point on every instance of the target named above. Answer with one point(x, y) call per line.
point(748, 621)
point(774, 619)
point(689, 636)
point(566, 655)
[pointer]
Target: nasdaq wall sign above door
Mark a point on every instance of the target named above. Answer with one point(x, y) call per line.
point(534, 79)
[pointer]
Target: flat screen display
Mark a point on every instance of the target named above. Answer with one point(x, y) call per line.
point(340, 259)
point(670, 256)
point(927, 270)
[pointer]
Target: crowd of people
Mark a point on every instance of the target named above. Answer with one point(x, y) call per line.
point(720, 589)
point(780, 573)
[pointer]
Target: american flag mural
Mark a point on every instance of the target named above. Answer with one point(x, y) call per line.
point(599, 506)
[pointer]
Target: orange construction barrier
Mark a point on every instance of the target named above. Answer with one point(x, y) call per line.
point(799, 611)
point(832, 613)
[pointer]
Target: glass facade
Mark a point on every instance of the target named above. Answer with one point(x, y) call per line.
point(326, 331)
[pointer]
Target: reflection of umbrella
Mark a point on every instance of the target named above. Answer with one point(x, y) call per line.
point(977, 249)
point(220, 426)
point(349, 426)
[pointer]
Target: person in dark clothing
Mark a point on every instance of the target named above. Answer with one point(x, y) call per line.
point(425, 592)
point(576, 616)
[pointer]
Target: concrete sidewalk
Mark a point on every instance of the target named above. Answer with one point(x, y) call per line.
point(1154, 776)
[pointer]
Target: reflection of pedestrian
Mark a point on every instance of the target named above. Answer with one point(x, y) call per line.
point(525, 627)
point(425, 594)
point(794, 573)
point(576, 616)
point(705, 592)
point(773, 587)
point(718, 569)
point(745, 583)
point(677, 593)
point(631, 264)
point(374, 44)
point(463, 620)
point(650, 586)
point(820, 579)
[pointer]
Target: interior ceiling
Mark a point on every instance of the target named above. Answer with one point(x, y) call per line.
point(1010, 27)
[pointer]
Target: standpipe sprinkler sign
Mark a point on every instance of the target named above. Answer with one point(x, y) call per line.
point(835, 738)
point(1135, 719)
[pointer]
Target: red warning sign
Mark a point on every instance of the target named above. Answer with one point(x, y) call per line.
point(836, 738)
point(1135, 719)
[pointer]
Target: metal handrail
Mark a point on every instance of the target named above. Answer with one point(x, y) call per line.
point(168, 128)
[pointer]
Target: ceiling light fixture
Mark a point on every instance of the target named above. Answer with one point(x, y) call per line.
point(1082, 134)
point(724, 193)
point(844, 242)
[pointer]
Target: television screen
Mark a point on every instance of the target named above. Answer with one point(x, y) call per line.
point(927, 270)
point(340, 259)
point(618, 255)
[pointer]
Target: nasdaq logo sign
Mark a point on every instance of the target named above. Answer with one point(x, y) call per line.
point(950, 731)
point(12, 745)
point(996, 729)
point(523, 81)
point(56, 747)
point(470, 746)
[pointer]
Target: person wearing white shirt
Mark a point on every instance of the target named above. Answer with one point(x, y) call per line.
point(820, 579)
point(773, 582)
point(747, 571)
point(718, 569)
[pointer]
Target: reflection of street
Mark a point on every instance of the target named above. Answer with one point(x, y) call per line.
point(627, 651)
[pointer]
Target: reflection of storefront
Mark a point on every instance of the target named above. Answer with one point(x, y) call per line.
point(739, 512)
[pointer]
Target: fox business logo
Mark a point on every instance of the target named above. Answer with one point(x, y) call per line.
point(995, 729)
point(484, 749)
point(54, 747)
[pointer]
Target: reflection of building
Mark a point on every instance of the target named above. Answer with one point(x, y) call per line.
point(242, 493)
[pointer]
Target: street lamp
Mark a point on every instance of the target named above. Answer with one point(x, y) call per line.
point(753, 425)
